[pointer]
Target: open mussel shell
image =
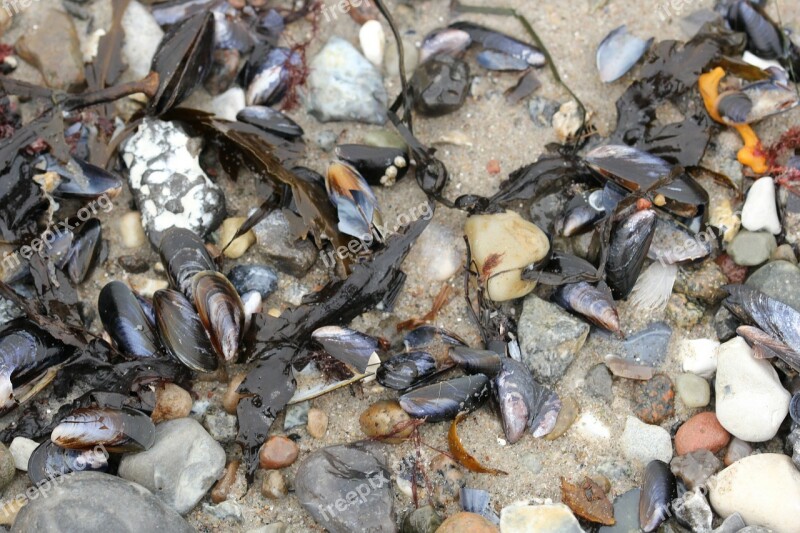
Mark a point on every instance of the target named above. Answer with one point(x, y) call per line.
point(347, 345)
point(84, 251)
point(270, 120)
point(474, 361)
point(435, 341)
point(183, 254)
point(444, 400)
point(523, 403)
point(183, 60)
point(82, 180)
point(636, 170)
point(48, 461)
point(630, 240)
point(674, 244)
point(657, 493)
point(221, 312)
point(356, 204)
point(126, 322)
point(595, 305)
point(117, 430)
point(405, 370)
point(378, 165)
point(182, 332)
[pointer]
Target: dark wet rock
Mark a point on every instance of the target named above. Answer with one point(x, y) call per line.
point(423, 520)
point(542, 110)
point(549, 338)
point(598, 382)
point(93, 502)
point(779, 280)
point(703, 282)
point(693, 511)
point(752, 248)
point(695, 468)
point(133, 264)
point(53, 47)
point(654, 400)
point(343, 85)
point(261, 278)
point(626, 513)
point(276, 241)
point(725, 324)
point(440, 85)
point(167, 182)
point(347, 488)
point(182, 465)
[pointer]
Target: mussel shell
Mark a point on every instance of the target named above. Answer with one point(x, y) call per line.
point(221, 312)
point(763, 37)
point(794, 408)
point(267, 74)
point(562, 268)
point(270, 120)
point(583, 211)
point(494, 60)
point(182, 332)
point(594, 304)
point(444, 400)
point(734, 107)
point(523, 403)
point(618, 52)
point(347, 345)
point(84, 251)
point(675, 244)
point(183, 254)
point(658, 491)
point(449, 41)
point(474, 361)
point(630, 241)
point(405, 370)
point(126, 322)
point(82, 180)
point(435, 341)
point(49, 461)
point(495, 40)
point(356, 204)
point(118, 430)
point(372, 162)
point(60, 248)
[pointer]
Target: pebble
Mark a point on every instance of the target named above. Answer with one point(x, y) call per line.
point(231, 398)
point(317, 423)
point(693, 390)
point(384, 418)
point(171, 402)
point(53, 47)
point(760, 212)
point(278, 452)
point(279, 245)
point(133, 264)
point(751, 249)
point(735, 273)
point(167, 182)
point(654, 399)
point(784, 252)
point(447, 479)
point(701, 432)
point(439, 251)
point(567, 120)
point(541, 111)
point(440, 85)
point(733, 524)
point(591, 428)
point(224, 487)
point(722, 216)
point(372, 39)
point(227, 510)
point(703, 282)
point(791, 216)
point(516, 241)
point(92, 502)
point(343, 85)
point(644, 442)
point(239, 246)
point(695, 468)
point(277, 527)
point(751, 402)
point(522, 517)
point(725, 324)
point(246, 278)
point(296, 415)
point(626, 513)
point(683, 312)
point(391, 60)
point(566, 417)
point(422, 520)
point(462, 522)
point(220, 425)
point(131, 232)
point(8, 468)
point(341, 502)
point(692, 510)
point(598, 382)
point(763, 488)
point(21, 449)
point(228, 104)
point(779, 280)
point(182, 465)
point(699, 357)
point(274, 485)
point(142, 37)
point(737, 449)
point(549, 338)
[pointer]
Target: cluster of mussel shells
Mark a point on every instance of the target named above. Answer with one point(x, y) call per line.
point(419, 372)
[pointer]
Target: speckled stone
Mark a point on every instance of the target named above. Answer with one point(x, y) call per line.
point(703, 282)
point(779, 280)
point(654, 399)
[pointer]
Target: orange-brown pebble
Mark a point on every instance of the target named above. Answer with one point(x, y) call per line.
point(223, 487)
point(278, 452)
point(463, 522)
point(701, 432)
point(317, 423)
point(493, 167)
point(171, 402)
point(386, 420)
point(231, 398)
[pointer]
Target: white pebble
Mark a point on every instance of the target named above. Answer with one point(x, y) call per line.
point(591, 428)
point(21, 450)
point(131, 231)
point(699, 356)
point(760, 212)
point(644, 442)
point(373, 41)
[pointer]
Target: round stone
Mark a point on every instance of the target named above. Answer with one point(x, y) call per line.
point(317, 423)
point(693, 390)
point(278, 452)
point(654, 399)
point(701, 432)
point(461, 522)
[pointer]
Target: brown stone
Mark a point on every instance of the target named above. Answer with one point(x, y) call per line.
point(274, 485)
point(386, 420)
point(317, 423)
point(224, 486)
point(588, 500)
point(53, 47)
point(701, 432)
point(654, 399)
point(278, 452)
point(171, 402)
point(231, 398)
point(467, 522)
